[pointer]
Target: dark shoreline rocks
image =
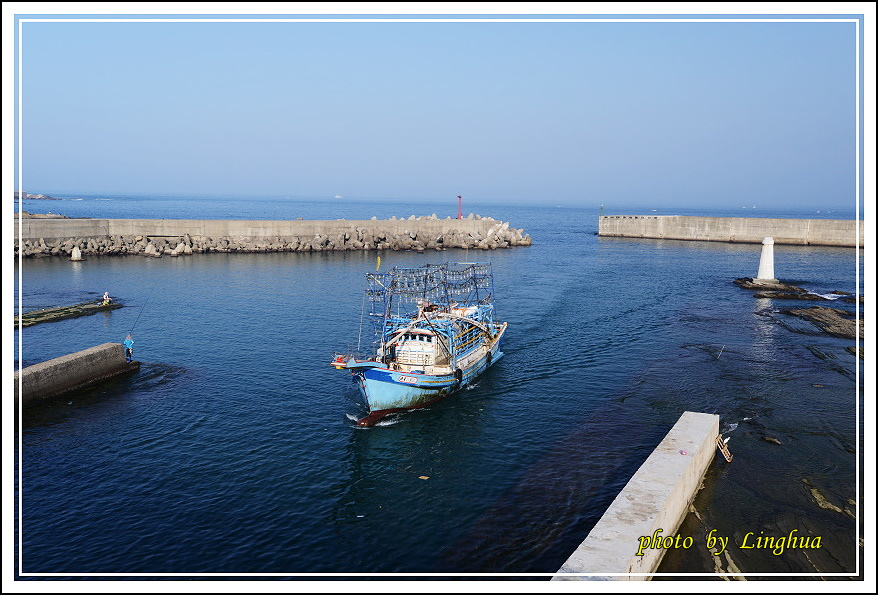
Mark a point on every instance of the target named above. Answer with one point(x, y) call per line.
point(780, 295)
point(832, 321)
point(835, 322)
point(784, 291)
point(772, 287)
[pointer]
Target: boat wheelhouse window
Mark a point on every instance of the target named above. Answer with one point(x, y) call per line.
point(415, 337)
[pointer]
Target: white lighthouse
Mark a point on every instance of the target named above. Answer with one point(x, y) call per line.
point(766, 261)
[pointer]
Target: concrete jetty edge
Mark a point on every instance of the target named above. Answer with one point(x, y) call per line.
point(751, 230)
point(55, 377)
point(653, 503)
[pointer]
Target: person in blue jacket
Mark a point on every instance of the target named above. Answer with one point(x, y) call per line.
point(129, 348)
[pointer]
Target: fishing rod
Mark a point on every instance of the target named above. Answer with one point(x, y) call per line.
point(143, 306)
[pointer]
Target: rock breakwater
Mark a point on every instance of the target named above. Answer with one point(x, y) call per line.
point(415, 233)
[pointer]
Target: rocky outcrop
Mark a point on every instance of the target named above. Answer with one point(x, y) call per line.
point(785, 291)
point(838, 323)
point(19, 195)
point(835, 322)
point(366, 237)
point(769, 286)
point(812, 297)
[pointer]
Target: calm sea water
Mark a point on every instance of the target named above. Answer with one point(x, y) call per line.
point(234, 449)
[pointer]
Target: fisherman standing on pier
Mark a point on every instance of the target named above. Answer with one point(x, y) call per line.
point(129, 348)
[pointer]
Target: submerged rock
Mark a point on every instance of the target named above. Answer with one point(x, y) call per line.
point(838, 323)
point(785, 291)
point(820, 499)
point(853, 351)
point(780, 295)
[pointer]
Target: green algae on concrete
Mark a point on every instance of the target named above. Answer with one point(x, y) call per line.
point(63, 312)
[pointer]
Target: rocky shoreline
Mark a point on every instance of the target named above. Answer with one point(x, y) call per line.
point(497, 236)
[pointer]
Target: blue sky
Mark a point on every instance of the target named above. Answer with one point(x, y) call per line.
point(671, 114)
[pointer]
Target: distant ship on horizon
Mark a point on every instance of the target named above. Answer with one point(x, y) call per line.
point(338, 195)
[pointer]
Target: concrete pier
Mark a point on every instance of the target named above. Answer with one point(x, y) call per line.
point(807, 232)
point(55, 377)
point(650, 506)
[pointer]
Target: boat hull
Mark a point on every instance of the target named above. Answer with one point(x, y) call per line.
point(389, 391)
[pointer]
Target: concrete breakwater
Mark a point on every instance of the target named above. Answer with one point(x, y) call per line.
point(77, 370)
point(630, 539)
point(176, 237)
point(818, 232)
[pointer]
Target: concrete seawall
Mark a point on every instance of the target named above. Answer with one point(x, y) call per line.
point(817, 232)
point(49, 379)
point(133, 236)
point(653, 503)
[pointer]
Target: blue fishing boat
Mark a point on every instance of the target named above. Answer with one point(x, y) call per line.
point(433, 333)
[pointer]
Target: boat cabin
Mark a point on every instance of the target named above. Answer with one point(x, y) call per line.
point(418, 349)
